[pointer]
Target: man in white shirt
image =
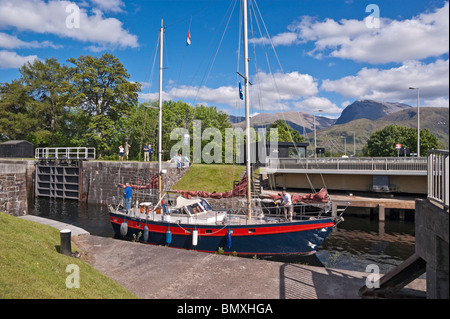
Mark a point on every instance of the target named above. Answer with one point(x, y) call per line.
point(287, 203)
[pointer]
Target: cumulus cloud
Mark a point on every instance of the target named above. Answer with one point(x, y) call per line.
point(269, 91)
point(10, 59)
point(12, 42)
point(426, 35)
point(43, 17)
point(109, 5)
point(392, 84)
point(316, 104)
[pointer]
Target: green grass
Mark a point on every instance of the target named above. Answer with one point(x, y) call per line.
point(210, 178)
point(32, 268)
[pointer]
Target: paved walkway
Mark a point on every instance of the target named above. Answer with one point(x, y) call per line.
point(167, 273)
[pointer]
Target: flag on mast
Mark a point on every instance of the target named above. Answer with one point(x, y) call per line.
point(188, 40)
point(241, 95)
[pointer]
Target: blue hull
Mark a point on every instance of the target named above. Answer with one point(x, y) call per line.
point(298, 237)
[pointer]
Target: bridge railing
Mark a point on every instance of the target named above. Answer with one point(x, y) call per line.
point(438, 177)
point(355, 163)
point(84, 153)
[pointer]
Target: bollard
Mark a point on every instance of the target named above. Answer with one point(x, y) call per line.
point(66, 243)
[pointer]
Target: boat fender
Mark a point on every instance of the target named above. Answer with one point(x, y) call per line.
point(229, 233)
point(168, 237)
point(124, 229)
point(146, 233)
point(194, 237)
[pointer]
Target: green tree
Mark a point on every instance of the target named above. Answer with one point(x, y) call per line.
point(16, 120)
point(102, 90)
point(285, 132)
point(47, 83)
point(382, 143)
point(34, 107)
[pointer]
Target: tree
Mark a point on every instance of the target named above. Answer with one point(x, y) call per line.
point(34, 107)
point(47, 83)
point(285, 132)
point(16, 120)
point(100, 87)
point(382, 143)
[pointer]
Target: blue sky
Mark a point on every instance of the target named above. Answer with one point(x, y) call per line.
point(329, 53)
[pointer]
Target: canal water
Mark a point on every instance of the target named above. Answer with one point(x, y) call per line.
point(354, 244)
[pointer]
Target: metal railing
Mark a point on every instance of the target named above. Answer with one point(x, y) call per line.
point(351, 164)
point(438, 177)
point(84, 153)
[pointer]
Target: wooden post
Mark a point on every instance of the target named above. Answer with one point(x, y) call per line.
point(381, 213)
point(66, 243)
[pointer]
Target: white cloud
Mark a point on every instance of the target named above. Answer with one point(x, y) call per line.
point(109, 5)
point(50, 17)
point(12, 42)
point(12, 60)
point(426, 35)
point(392, 84)
point(316, 104)
point(268, 92)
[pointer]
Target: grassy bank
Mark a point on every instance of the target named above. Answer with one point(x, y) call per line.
point(32, 267)
point(210, 178)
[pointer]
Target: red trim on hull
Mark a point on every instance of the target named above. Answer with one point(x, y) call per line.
point(237, 230)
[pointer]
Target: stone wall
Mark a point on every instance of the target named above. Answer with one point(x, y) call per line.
point(16, 182)
point(100, 178)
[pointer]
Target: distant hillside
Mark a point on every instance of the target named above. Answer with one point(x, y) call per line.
point(369, 109)
point(433, 118)
point(299, 121)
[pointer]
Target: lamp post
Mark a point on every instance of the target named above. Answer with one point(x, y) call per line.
point(315, 136)
point(345, 144)
point(418, 122)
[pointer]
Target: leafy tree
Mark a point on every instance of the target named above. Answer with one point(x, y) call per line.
point(16, 121)
point(285, 132)
point(102, 90)
point(382, 143)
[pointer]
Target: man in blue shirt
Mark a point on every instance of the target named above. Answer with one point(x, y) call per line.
point(127, 195)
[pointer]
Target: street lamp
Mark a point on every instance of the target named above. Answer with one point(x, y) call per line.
point(418, 122)
point(315, 136)
point(345, 144)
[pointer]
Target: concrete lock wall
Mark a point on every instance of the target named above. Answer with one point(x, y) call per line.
point(100, 179)
point(432, 239)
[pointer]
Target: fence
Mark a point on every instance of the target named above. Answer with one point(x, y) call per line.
point(84, 153)
point(351, 164)
point(438, 177)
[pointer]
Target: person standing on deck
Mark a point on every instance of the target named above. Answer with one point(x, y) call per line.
point(287, 203)
point(127, 194)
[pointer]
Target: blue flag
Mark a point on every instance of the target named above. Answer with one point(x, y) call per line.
point(241, 95)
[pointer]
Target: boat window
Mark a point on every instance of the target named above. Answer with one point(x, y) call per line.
point(206, 205)
point(194, 208)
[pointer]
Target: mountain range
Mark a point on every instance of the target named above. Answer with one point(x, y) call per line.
point(359, 119)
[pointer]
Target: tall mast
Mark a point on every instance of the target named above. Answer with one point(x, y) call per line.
point(247, 107)
point(161, 35)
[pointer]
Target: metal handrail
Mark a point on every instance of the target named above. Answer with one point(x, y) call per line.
point(438, 177)
point(359, 163)
point(85, 153)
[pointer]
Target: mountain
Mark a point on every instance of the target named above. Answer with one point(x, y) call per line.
point(369, 109)
point(435, 119)
point(299, 121)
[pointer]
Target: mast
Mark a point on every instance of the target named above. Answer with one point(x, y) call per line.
point(161, 34)
point(247, 107)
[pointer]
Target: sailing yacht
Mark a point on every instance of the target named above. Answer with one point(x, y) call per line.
point(192, 223)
